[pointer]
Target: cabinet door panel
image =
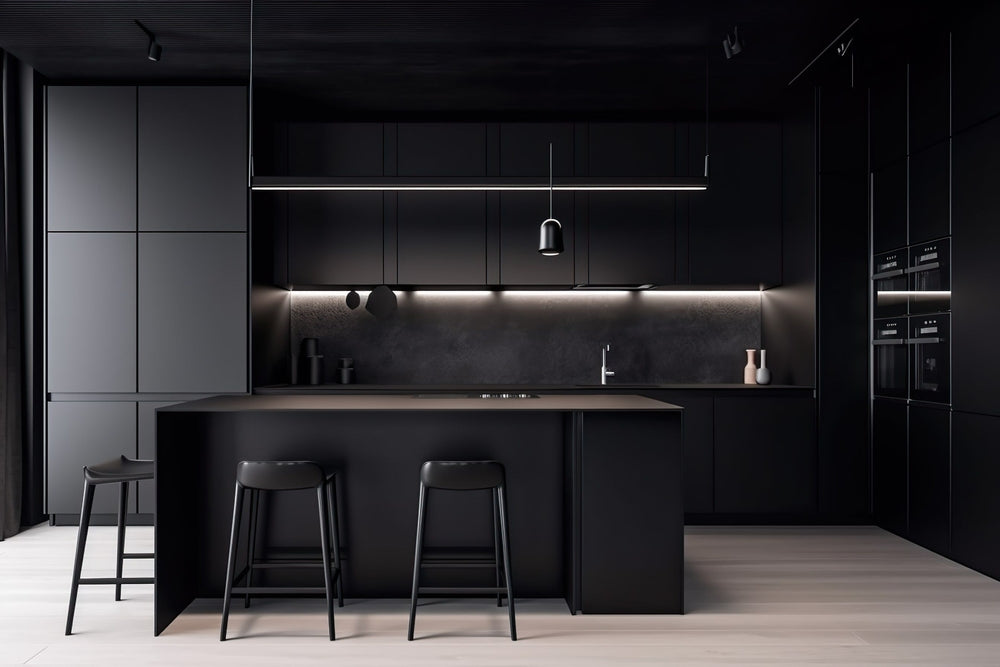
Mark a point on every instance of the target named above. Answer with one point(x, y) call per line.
point(975, 66)
point(930, 193)
point(441, 149)
point(146, 497)
point(930, 92)
point(631, 149)
point(888, 124)
point(192, 312)
point(975, 269)
point(192, 158)
point(890, 470)
point(91, 312)
point(84, 433)
point(889, 224)
point(930, 476)
point(975, 494)
point(91, 158)
point(699, 482)
point(335, 149)
point(335, 238)
point(631, 238)
point(441, 238)
point(521, 215)
point(735, 229)
point(765, 455)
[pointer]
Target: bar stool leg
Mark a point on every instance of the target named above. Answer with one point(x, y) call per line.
point(81, 543)
point(496, 543)
point(324, 536)
point(122, 504)
point(251, 542)
point(231, 567)
point(331, 504)
point(417, 558)
point(502, 504)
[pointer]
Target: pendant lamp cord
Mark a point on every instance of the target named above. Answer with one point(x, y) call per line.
point(550, 180)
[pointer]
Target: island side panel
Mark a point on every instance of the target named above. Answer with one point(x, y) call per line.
point(632, 512)
point(379, 455)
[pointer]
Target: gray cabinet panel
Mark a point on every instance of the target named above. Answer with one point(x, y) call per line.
point(91, 158)
point(82, 433)
point(146, 496)
point(91, 312)
point(192, 312)
point(192, 158)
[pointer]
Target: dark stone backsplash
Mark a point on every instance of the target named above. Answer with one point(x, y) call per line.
point(536, 338)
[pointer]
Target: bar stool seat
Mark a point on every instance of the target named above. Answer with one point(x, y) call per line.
point(116, 471)
point(252, 477)
point(465, 476)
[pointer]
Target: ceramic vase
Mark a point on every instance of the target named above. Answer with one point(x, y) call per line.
point(750, 370)
point(763, 373)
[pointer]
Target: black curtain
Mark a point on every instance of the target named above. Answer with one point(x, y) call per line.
point(11, 309)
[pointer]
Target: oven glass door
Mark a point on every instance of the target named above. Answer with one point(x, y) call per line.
point(929, 272)
point(891, 357)
point(890, 284)
point(929, 340)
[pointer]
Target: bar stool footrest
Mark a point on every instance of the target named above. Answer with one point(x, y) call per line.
point(139, 555)
point(463, 590)
point(280, 590)
point(117, 580)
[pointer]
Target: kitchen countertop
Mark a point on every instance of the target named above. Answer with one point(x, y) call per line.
point(305, 389)
point(422, 403)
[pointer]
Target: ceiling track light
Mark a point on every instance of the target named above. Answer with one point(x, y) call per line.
point(732, 46)
point(154, 49)
point(550, 235)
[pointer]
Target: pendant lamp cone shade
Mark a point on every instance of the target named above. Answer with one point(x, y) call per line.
point(550, 238)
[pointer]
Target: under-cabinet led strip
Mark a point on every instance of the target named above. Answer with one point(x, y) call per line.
point(477, 188)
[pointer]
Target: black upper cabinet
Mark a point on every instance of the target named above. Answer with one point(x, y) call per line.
point(930, 194)
point(930, 92)
point(975, 66)
point(442, 149)
point(91, 158)
point(630, 149)
point(631, 238)
point(442, 238)
point(930, 477)
point(889, 468)
point(735, 226)
point(975, 269)
point(887, 116)
point(975, 502)
point(765, 455)
point(335, 149)
point(524, 149)
point(335, 238)
point(183, 185)
point(889, 207)
point(521, 214)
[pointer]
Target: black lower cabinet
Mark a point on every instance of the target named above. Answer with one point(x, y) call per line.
point(975, 530)
point(889, 465)
point(929, 477)
point(765, 455)
point(699, 482)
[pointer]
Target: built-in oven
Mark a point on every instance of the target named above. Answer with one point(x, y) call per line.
point(891, 357)
point(891, 283)
point(930, 377)
point(929, 272)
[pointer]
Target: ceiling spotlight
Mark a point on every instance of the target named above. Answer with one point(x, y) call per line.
point(732, 46)
point(154, 50)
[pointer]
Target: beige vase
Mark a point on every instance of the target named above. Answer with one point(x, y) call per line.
point(750, 370)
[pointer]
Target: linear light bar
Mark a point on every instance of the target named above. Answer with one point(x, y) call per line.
point(403, 184)
point(913, 293)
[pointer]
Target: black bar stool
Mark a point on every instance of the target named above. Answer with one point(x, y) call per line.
point(121, 471)
point(465, 476)
point(255, 476)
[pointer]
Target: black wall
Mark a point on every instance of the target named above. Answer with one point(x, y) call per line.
point(541, 337)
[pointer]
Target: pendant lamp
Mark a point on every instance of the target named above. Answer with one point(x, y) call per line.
point(550, 236)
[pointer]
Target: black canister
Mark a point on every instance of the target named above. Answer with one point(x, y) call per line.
point(345, 370)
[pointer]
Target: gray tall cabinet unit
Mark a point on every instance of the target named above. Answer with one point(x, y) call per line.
point(146, 269)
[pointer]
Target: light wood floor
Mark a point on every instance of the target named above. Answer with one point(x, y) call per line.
point(754, 596)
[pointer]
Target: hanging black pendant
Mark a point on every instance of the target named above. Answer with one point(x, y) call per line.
point(550, 238)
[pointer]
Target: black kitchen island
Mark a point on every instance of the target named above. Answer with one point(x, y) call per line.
point(594, 484)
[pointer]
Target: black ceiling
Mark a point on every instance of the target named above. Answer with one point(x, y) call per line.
point(439, 57)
